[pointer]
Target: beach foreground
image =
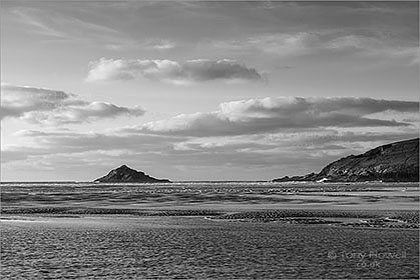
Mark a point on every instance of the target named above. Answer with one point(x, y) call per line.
point(129, 247)
point(211, 230)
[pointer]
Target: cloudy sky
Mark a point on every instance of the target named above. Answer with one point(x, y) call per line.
point(202, 90)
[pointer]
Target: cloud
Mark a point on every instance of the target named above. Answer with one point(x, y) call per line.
point(334, 27)
point(59, 148)
point(68, 29)
point(64, 28)
point(374, 45)
point(47, 106)
point(71, 141)
point(314, 42)
point(263, 155)
point(159, 44)
point(273, 114)
point(274, 43)
point(261, 136)
point(169, 71)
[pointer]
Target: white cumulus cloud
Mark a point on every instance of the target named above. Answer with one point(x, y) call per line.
point(170, 71)
point(41, 105)
point(273, 114)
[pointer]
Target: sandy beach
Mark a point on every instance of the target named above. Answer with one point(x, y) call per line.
point(204, 230)
point(132, 247)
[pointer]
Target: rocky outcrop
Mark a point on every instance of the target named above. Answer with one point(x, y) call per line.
point(308, 177)
point(125, 174)
point(396, 162)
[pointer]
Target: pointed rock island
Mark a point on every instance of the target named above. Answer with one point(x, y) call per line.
point(395, 162)
point(125, 174)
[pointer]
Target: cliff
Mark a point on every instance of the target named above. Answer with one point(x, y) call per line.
point(124, 174)
point(395, 162)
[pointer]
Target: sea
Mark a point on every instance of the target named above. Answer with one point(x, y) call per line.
point(71, 230)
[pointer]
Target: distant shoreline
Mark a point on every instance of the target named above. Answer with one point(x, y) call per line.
point(230, 181)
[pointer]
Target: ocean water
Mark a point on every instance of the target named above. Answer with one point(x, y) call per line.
point(110, 231)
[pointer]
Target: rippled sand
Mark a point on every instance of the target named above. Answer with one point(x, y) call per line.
point(209, 230)
point(192, 247)
point(238, 195)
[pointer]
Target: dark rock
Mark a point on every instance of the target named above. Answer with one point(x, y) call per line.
point(124, 174)
point(396, 162)
point(307, 177)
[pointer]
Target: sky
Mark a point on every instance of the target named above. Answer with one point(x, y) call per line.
point(202, 90)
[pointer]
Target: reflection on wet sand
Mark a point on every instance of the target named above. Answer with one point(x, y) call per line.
point(209, 230)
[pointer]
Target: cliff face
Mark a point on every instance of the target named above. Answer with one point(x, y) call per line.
point(396, 162)
point(124, 174)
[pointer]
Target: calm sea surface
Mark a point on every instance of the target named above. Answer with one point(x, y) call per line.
point(35, 246)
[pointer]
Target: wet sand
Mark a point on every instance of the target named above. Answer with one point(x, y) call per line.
point(350, 218)
point(192, 247)
point(241, 196)
point(217, 231)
